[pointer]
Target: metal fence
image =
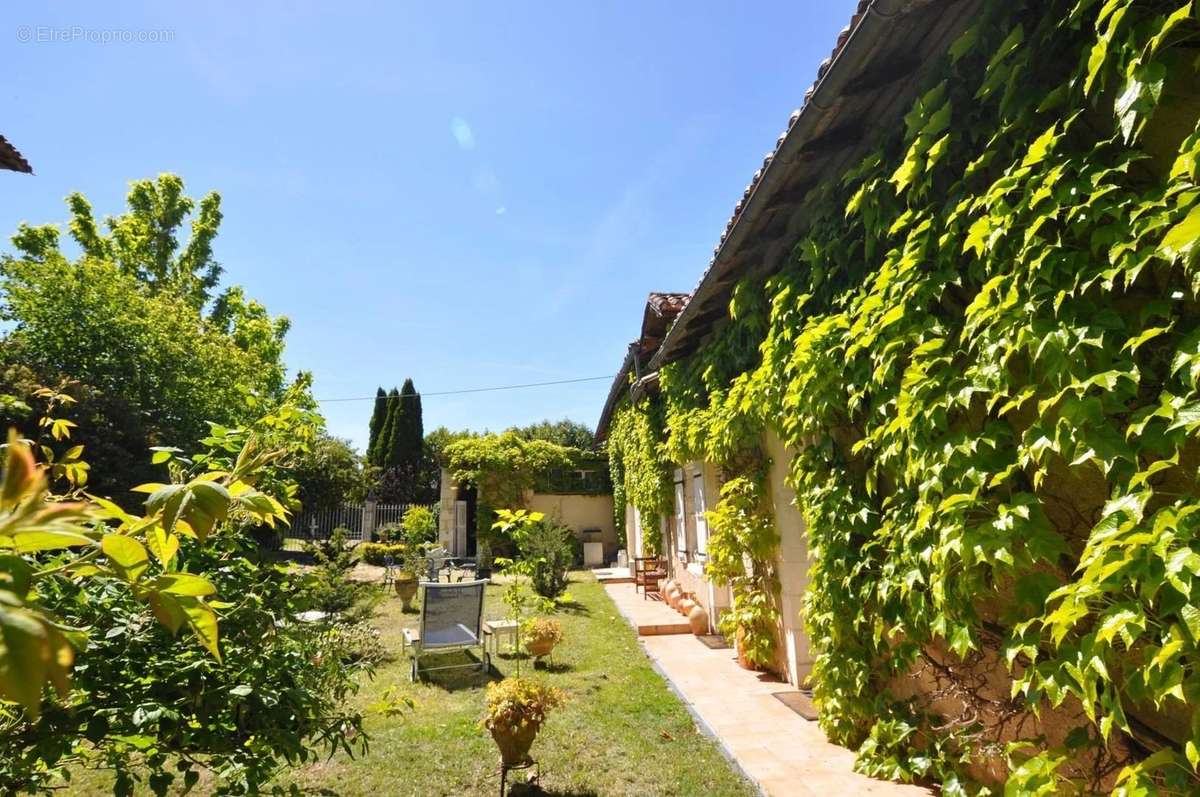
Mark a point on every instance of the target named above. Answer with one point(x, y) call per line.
point(318, 525)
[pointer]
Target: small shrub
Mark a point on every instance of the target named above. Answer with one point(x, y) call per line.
point(542, 628)
point(547, 546)
point(329, 586)
point(357, 643)
point(516, 702)
point(390, 533)
point(419, 525)
point(376, 553)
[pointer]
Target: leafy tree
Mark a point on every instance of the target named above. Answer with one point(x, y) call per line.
point(124, 323)
point(144, 241)
point(378, 419)
point(565, 433)
point(92, 596)
point(328, 474)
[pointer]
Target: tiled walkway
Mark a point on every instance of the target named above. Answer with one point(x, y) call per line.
point(649, 615)
point(783, 753)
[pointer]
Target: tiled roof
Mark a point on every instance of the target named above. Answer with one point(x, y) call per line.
point(864, 84)
point(661, 309)
point(11, 159)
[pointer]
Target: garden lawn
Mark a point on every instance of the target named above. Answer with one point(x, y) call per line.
point(621, 732)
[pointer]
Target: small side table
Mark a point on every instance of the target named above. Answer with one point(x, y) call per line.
point(494, 629)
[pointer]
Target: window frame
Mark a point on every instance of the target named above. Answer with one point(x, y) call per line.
point(699, 506)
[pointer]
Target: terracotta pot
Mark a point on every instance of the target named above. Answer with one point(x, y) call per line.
point(406, 588)
point(514, 743)
point(686, 604)
point(540, 647)
point(698, 620)
point(742, 661)
point(672, 595)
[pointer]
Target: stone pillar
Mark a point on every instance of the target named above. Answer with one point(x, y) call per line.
point(368, 519)
point(446, 497)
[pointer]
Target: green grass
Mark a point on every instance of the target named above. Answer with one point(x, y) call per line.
point(622, 731)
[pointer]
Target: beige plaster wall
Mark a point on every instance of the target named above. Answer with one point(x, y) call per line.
point(580, 512)
point(795, 659)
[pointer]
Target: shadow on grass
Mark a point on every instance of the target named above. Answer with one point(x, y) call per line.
point(551, 667)
point(470, 676)
point(533, 790)
point(573, 607)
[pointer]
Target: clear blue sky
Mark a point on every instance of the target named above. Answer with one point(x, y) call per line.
point(470, 194)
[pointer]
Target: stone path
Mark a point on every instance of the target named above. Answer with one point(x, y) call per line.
point(786, 755)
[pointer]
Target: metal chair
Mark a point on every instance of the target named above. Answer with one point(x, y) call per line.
point(451, 621)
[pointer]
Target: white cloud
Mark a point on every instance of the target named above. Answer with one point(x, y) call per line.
point(500, 211)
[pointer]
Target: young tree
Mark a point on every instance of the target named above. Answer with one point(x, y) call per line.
point(378, 418)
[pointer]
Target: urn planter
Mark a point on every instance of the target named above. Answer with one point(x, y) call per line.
point(406, 589)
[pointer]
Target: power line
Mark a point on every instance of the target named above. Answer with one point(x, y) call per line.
point(482, 389)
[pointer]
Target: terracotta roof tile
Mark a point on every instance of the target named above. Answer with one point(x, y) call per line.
point(11, 159)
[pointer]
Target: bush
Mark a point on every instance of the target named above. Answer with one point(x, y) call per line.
point(376, 553)
point(549, 547)
point(419, 525)
point(359, 642)
point(330, 588)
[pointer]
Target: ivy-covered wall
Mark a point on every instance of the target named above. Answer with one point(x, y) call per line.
point(985, 352)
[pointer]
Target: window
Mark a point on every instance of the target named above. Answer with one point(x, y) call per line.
point(680, 518)
point(698, 507)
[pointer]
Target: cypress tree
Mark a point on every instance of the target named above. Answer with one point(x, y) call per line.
point(383, 448)
point(407, 435)
point(378, 418)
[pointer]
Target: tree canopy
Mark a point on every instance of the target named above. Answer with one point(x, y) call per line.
point(125, 321)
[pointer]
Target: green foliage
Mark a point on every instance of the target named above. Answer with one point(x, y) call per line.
point(567, 433)
point(549, 547)
point(376, 553)
point(984, 349)
point(504, 468)
point(125, 324)
point(419, 525)
point(741, 553)
point(407, 431)
point(378, 422)
point(330, 589)
point(516, 703)
point(398, 448)
point(640, 468)
point(328, 473)
point(143, 242)
point(92, 597)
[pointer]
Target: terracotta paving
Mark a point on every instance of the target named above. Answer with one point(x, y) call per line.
point(650, 616)
point(613, 575)
point(786, 755)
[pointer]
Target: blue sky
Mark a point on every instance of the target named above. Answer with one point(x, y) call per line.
point(470, 194)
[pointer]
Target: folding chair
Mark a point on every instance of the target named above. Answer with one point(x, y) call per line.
point(451, 621)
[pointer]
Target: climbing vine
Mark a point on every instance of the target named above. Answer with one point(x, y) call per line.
point(985, 354)
point(640, 467)
point(741, 553)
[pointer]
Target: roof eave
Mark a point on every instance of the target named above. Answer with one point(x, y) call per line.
point(812, 120)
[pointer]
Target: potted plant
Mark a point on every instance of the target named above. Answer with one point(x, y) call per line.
point(411, 563)
point(516, 709)
point(541, 635)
